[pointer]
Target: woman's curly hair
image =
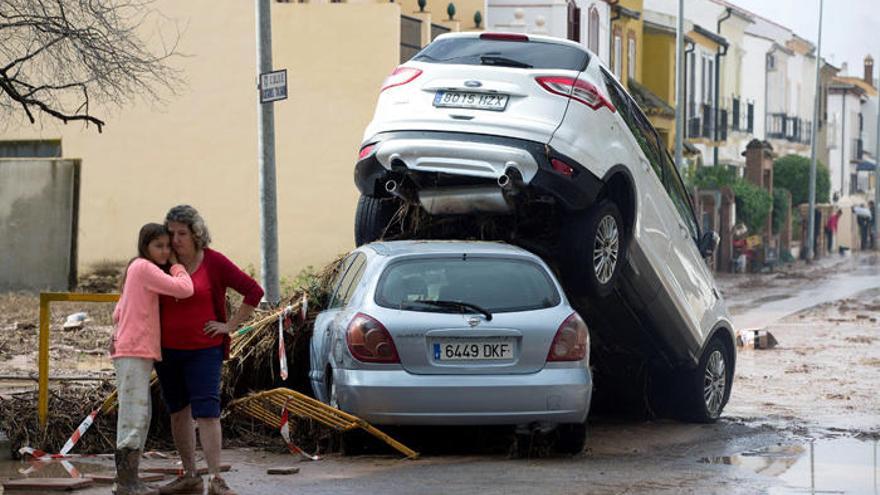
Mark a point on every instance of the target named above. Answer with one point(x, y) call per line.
point(190, 217)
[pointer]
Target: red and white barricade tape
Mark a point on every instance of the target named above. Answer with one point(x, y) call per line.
point(285, 434)
point(80, 431)
point(282, 351)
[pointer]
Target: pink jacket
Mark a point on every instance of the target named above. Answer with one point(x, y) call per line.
point(137, 313)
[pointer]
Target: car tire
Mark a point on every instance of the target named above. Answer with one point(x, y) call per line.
point(372, 218)
point(593, 244)
point(571, 438)
point(708, 386)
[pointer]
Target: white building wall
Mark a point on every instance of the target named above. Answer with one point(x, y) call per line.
point(554, 13)
point(842, 153)
point(754, 82)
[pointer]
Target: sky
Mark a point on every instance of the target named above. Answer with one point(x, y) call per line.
point(850, 28)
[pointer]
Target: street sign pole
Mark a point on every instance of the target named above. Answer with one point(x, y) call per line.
point(266, 153)
point(812, 211)
point(679, 86)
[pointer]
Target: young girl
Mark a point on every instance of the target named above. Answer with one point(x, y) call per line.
point(136, 345)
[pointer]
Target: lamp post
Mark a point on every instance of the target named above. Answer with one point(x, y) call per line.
point(679, 85)
point(812, 210)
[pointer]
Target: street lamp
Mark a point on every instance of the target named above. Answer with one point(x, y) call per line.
point(812, 211)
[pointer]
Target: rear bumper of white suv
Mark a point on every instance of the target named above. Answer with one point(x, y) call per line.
point(454, 159)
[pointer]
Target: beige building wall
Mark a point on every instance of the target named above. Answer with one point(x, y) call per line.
point(201, 146)
point(464, 11)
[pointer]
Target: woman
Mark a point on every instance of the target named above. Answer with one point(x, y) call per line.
point(195, 340)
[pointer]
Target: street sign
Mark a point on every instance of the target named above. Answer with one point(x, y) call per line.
point(273, 86)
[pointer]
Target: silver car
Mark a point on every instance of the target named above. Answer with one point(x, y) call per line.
point(453, 333)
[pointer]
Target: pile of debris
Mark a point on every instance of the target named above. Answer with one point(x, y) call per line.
point(255, 365)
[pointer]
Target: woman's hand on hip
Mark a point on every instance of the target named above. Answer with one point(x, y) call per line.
point(215, 328)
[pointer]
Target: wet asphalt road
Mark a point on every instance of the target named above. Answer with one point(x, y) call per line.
point(763, 444)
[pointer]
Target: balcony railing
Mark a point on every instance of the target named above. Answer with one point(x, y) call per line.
point(792, 129)
point(701, 123)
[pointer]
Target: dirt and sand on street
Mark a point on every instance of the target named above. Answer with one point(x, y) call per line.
point(803, 416)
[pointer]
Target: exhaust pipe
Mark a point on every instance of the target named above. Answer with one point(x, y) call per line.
point(504, 181)
point(464, 200)
point(391, 187)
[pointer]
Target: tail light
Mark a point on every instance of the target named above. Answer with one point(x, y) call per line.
point(580, 91)
point(369, 341)
point(562, 167)
point(504, 37)
point(366, 151)
point(572, 341)
point(400, 76)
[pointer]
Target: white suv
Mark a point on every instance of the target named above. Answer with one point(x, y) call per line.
point(530, 140)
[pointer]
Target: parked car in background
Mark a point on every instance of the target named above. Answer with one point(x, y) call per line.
point(531, 140)
point(453, 333)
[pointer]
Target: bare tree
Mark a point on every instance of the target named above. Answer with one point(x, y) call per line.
point(62, 57)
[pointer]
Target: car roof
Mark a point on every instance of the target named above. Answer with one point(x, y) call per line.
point(400, 248)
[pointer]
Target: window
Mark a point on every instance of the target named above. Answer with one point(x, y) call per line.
point(707, 79)
point(527, 54)
point(679, 196)
point(750, 117)
point(692, 84)
point(594, 30)
point(30, 149)
point(735, 114)
point(346, 281)
point(617, 56)
point(631, 56)
point(637, 124)
point(574, 22)
point(496, 284)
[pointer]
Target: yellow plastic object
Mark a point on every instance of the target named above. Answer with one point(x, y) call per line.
point(266, 407)
point(43, 360)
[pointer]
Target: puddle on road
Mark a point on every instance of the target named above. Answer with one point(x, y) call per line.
point(842, 465)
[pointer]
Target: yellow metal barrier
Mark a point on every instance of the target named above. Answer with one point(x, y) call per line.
point(45, 299)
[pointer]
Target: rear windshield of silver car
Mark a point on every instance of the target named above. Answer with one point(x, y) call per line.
point(498, 285)
point(523, 54)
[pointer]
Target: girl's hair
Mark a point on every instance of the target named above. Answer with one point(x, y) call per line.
point(148, 234)
point(190, 217)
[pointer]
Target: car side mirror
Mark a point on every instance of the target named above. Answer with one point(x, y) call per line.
point(709, 243)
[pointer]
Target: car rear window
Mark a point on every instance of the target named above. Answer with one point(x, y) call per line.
point(496, 284)
point(526, 54)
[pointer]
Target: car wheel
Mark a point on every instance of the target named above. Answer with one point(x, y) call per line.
point(709, 384)
point(594, 249)
point(372, 218)
point(572, 438)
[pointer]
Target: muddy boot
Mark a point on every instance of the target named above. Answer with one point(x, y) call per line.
point(218, 486)
point(138, 487)
point(189, 483)
point(128, 481)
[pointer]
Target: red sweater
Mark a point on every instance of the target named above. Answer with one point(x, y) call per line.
point(183, 320)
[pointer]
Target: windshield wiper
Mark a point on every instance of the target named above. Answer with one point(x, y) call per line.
point(504, 61)
point(461, 306)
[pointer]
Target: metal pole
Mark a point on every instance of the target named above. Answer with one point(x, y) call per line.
point(876, 211)
point(266, 153)
point(679, 86)
point(812, 211)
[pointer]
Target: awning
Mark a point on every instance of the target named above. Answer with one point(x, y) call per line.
point(865, 166)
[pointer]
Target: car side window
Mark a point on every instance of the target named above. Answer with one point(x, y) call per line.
point(678, 193)
point(637, 124)
point(350, 281)
point(344, 266)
